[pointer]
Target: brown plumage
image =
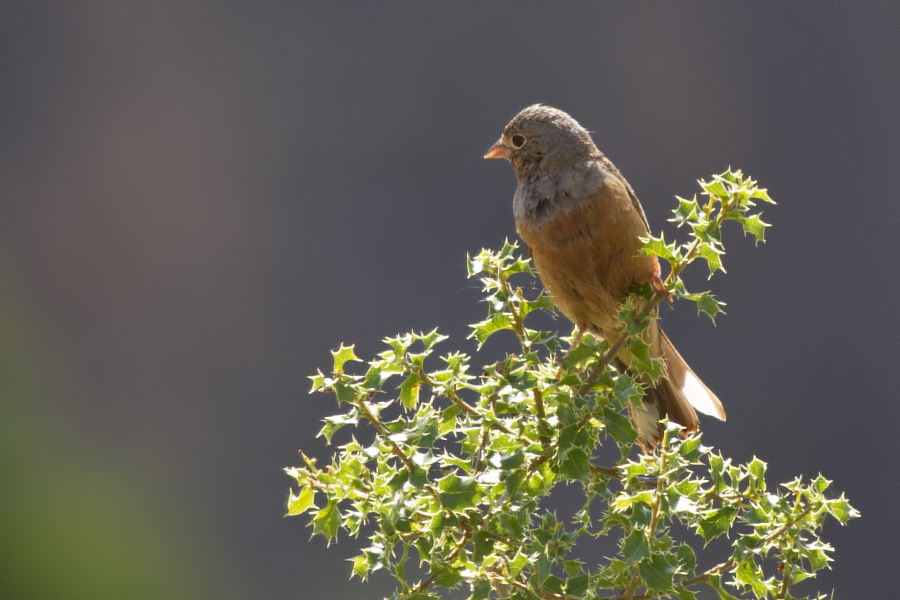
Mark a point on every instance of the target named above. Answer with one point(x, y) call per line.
point(582, 223)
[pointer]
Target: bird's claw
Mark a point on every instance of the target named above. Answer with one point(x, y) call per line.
point(659, 287)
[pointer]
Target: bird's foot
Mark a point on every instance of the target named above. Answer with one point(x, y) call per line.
point(659, 287)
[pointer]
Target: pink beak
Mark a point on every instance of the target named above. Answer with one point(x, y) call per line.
point(498, 150)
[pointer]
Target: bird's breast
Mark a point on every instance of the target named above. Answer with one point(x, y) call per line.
point(587, 253)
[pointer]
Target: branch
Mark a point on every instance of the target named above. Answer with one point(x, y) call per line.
point(384, 432)
point(628, 593)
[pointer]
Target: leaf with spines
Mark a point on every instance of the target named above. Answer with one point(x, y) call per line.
point(654, 246)
point(333, 423)
point(635, 546)
point(642, 361)
point(754, 225)
point(341, 356)
point(327, 521)
point(457, 492)
point(713, 255)
point(409, 391)
point(632, 317)
point(302, 502)
point(687, 210)
point(619, 427)
point(657, 572)
point(749, 574)
point(485, 329)
point(706, 303)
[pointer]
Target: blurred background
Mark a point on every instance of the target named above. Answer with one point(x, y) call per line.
point(199, 201)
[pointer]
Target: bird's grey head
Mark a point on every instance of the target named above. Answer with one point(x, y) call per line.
point(542, 138)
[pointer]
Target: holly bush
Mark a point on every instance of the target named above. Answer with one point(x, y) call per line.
point(452, 486)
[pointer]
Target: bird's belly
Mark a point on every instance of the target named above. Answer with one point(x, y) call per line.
point(562, 251)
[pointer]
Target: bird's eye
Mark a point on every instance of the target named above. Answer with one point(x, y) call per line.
point(518, 140)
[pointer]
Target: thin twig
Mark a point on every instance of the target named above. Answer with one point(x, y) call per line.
point(384, 432)
point(654, 518)
point(606, 472)
point(628, 593)
point(542, 417)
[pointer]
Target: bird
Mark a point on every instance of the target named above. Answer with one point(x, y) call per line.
point(582, 225)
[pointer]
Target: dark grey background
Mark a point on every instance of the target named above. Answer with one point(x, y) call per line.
point(200, 201)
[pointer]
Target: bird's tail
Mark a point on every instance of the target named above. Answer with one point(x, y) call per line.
point(675, 397)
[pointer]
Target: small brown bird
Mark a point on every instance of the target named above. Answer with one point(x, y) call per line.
point(582, 223)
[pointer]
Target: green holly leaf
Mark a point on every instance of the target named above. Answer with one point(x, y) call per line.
point(485, 329)
point(619, 427)
point(654, 246)
point(642, 361)
point(419, 477)
point(715, 582)
point(820, 484)
point(318, 381)
point(816, 553)
point(374, 378)
point(841, 510)
point(476, 265)
point(449, 579)
point(578, 354)
point(577, 586)
point(713, 233)
point(686, 211)
point(343, 392)
point(713, 256)
point(482, 545)
point(755, 226)
point(302, 502)
point(626, 390)
point(573, 567)
point(542, 302)
point(568, 422)
point(333, 423)
point(541, 567)
point(762, 194)
point(690, 449)
point(481, 590)
point(685, 594)
point(553, 584)
point(517, 266)
point(686, 557)
point(657, 573)
point(576, 465)
point(750, 574)
point(361, 566)
point(327, 521)
point(341, 356)
point(635, 547)
point(630, 316)
point(706, 303)
point(456, 492)
point(715, 187)
point(544, 338)
point(717, 523)
point(757, 470)
point(431, 339)
point(512, 461)
point(409, 391)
